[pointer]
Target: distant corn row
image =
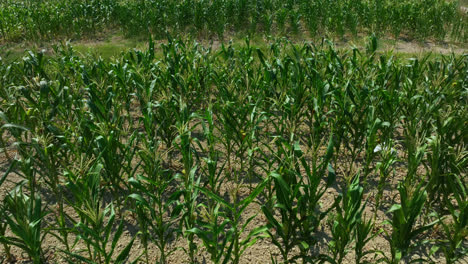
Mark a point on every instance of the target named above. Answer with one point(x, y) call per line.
point(48, 19)
point(195, 145)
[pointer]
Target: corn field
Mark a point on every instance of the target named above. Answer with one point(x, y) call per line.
point(50, 19)
point(297, 153)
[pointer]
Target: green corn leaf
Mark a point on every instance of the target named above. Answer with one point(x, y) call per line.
point(215, 197)
point(331, 176)
point(121, 258)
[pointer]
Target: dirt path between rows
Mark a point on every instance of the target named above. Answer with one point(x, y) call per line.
point(114, 45)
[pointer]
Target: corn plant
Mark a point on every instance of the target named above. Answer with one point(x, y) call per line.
point(96, 233)
point(287, 191)
point(455, 232)
point(234, 125)
point(354, 117)
point(345, 221)
point(50, 152)
point(364, 233)
point(215, 237)
point(446, 159)
point(214, 164)
point(371, 141)
point(415, 108)
point(95, 224)
point(388, 157)
point(220, 228)
point(153, 211)
point(404, 223)
point(297, 200)
point(165, 117)
point(116, 156)
point(4, 223)
point(189, 182)
point(24, 217)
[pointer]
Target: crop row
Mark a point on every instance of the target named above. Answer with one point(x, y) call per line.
point(224, 149)
point(27, 19)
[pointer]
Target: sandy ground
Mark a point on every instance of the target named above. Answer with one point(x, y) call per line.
point(113, 45)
